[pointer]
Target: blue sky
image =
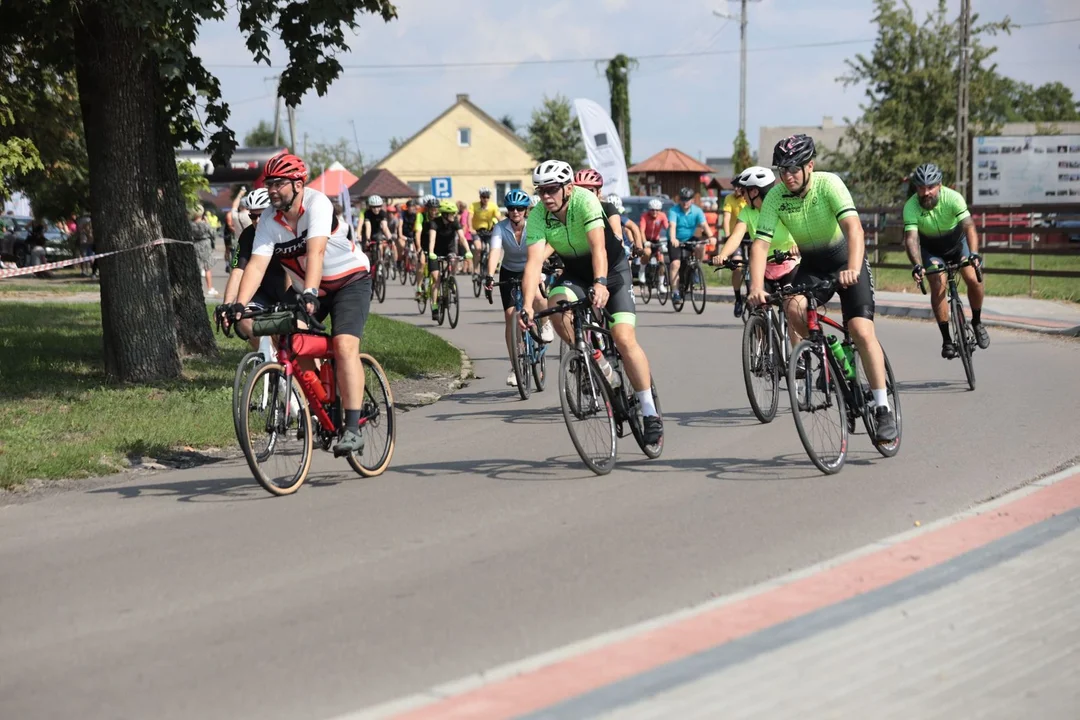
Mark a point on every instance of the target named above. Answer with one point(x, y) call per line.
point(690, 103)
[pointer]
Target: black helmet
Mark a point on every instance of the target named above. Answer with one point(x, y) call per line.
point(686, 194)
point(927, 174)
point(794, 150)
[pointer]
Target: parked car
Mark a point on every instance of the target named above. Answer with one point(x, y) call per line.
point(1066, 228)
point(14, 243)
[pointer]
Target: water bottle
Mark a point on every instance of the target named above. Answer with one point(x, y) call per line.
point(841, 357)
point(849, 355)
point(605, 368)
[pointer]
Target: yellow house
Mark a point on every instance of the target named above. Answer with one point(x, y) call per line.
point(468, 146)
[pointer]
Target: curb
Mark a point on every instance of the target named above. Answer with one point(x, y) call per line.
point(456, 384)
point(920, 313)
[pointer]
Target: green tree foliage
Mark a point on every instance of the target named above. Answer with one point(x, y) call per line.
point(322, 155)
point(18, 156)
point(1049, 103)
point(192, 182)
point(396, 143)
point(262, 135)
point(618, 78)
point(741, 158)
point(554, 134)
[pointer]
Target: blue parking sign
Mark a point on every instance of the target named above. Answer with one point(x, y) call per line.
point(441, 188)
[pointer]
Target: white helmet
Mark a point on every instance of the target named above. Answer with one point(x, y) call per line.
point(257, 199)
point(552, 172)
point(616, 201)
point(534, 200)
point(757, 176)
point(430, 201)
point(485, 190)
point(655, 204)
point(374, 201)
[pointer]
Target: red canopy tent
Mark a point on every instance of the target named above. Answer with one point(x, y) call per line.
point(334, 180)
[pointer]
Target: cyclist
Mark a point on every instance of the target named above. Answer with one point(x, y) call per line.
point(937, 225)
point(482, 219)
point(508, 244)
point(333, 274)
point(421, 226)
point(632, 237)
point(444, 234)
point(593, 181)
point(733, 207)
point(376, 226)
point(684, 221)
point(406, 230)
point(817, 210)
point(654, 224)
point(569, 222)
point(272, 290)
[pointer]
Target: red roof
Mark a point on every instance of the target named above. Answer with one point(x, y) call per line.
point(670, 160)
point(382, 182)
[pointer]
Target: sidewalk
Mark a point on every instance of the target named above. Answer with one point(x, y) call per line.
point(1046, 316)
point(972, 616)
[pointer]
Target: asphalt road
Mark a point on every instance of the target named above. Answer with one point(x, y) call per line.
point(194, 594)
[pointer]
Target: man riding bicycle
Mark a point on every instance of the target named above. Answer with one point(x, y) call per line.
point(654, 225)
point(376, 229)
point(570, 223)
point(818, 211)
point(508, 245)
point(482, 219)
point(938, 226)
point(333, 274)
point(684, 220)
point(443, 236)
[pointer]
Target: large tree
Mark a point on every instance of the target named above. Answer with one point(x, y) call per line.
point(322, 155)
point(741, 158)
point(554, 134)
point(262, 135)
point(143, 92)
point(617, 73)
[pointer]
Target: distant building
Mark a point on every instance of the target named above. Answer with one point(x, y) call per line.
point(468, 146)
point(667, 172)
point(826, 137)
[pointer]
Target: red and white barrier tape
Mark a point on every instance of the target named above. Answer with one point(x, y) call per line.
point(31, 269)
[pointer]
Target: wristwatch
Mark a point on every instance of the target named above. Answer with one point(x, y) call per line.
point(600, 281)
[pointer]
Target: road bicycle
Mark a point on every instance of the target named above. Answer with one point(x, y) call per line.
point(530, 353)
point(963, 334)
point(691, 280)
point(480, 266)
point(285, 410)
point(597, 409)
point(449, 298)
point(827, 389)
point(766, 348)
point(655, 274)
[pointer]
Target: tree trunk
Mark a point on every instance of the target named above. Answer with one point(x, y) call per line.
point(193, 331)
point(116, 93)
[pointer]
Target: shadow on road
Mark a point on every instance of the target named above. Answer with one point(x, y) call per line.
point(201, 490)
point(553, 468)
point(932, 386)
point(514, 416)
point(721, 417)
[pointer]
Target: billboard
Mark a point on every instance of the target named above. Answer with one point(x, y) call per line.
point(245, 165)
point(1025, 170)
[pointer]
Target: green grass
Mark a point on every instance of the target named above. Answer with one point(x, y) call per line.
point(1047, 288)
point(65, 281)
point(60, 419)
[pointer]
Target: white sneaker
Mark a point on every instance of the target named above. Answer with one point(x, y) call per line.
point(511, 379)
point(641, 277)
point(212, 292)
point(547, 332)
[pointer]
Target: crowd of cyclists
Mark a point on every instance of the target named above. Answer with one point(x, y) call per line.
point(568, 242)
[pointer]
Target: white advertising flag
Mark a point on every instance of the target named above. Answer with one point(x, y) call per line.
point(603, 146)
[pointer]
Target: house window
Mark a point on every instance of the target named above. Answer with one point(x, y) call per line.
point(502, 187)
point(423, 187)
point(464, 137)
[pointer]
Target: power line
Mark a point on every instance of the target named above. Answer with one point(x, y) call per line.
point(574, 61)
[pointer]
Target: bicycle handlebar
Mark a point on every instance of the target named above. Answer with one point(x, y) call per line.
point(952, 267)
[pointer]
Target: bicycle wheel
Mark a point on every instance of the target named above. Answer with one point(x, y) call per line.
point(379, 284)
point(637, 421)
point(886, 449)
point(818, 407)
point(377, 421)
point(646, 288)
point(477, 284)
point(761, 370)
point(539, 367)
point(243, 371)
point(662, 289)
point(452, 306)
point(587, 410)
point(275, 432)
point(422, 296)
point(697, 290)
point(412, 274)
point(520, 361)
point(964, 346)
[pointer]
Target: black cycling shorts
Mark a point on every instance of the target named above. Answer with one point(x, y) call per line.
point(347, 307)
point(954, 252)
point(507, 291)
point(620, 292)
point(856, 301)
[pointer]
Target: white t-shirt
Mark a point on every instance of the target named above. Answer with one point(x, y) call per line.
point(344, 261)
point(515, 253)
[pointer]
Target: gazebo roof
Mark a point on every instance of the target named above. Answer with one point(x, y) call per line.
point(670, 160)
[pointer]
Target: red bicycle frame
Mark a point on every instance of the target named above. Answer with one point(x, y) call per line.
point(318, 391)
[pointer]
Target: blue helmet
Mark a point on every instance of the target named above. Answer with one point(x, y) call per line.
point(517, 199)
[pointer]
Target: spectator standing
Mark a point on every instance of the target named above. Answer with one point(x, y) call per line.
point(203, 237)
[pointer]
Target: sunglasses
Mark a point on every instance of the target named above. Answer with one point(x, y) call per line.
point(549, 189)
point(274, 183)
point(789, 169)
point(515, 209)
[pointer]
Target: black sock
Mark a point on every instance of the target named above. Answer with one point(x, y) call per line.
point(976, 316)
point(352, 419)
point(944, 328)
point(738, 293)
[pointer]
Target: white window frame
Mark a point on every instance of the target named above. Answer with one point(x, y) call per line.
point(468, 137)
point(502, 188)
point(422, 187)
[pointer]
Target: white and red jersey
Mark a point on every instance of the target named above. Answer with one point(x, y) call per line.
point(344, 261)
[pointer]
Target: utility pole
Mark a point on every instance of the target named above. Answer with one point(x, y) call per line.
point(962, 163)
point(277, 120)
point(292, 127)
point(742, 59)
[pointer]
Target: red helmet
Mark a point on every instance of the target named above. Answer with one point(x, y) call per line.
point(285, 166)
point(588, 178)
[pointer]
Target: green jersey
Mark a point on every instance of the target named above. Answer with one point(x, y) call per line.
point(781, 237)
point(941, 221)
point(570, 240)
point(813, 219)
